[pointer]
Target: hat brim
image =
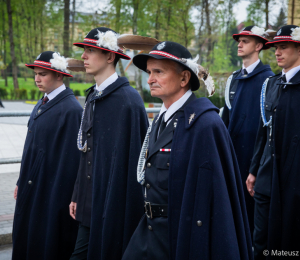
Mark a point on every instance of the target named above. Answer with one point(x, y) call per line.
point(265, 47)
point(31, 66)
point(82, 44)
point(271, 43)
point(140, 61)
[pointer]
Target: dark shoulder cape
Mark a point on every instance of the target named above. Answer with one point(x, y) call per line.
point(120, 125)
point(43, 228)
point(284, 219)
point(207, 214)
point(244, 121)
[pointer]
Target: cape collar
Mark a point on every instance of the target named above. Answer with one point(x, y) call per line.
point(259, 68)
point(196, 108)
point(295, 80)
point(111, 88)
point(42, 109)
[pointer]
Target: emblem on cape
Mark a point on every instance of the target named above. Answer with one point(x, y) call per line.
point(279, 32)
point(192, 116)
point(99, 94)
point(245, 75)
point(38, 56)
point(39, 111)
point(161, 46)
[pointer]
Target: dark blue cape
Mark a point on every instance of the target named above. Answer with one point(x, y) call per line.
point(205, 185)
point(119, 128)
point(284, 219)
point(243, 124)
point(43, 228)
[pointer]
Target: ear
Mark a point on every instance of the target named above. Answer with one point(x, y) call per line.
point(59, 76)
point(185, 78)
point(111, 57)
point(259, 46)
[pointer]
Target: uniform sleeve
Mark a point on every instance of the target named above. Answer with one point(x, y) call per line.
point(260, 142)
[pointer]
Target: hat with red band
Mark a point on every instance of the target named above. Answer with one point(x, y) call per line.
point(287, 33)
point(256, 32)
point(51, 61)
point(174, 51)
point(105, 39)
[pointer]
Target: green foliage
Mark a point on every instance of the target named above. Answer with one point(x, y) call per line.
point(76, 92)
point(148, 98)
point(33, 93)
point(3, 93)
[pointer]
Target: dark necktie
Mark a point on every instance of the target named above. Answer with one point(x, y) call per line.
point(283, 79)
point(163, 124)
point(45, 100)
point(245, 72)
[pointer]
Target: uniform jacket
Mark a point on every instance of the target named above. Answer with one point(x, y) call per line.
point(83, 188)
point(207, 213)
point(119, 127)
point(243, 119)
point(262, 161)
point(151, 239)
point(284, 219)
point(43, 228)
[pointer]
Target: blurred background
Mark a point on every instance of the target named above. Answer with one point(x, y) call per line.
point(205, 27)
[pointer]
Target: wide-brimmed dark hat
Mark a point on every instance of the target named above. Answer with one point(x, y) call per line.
point(254, 31)
point(51, 61)
point(171, 51)
point(105, 39)
point(287, 33)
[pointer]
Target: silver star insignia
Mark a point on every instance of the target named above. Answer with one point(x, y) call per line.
point(99, 94)
point(192, 116)
point(175, 123)
point(39, 111)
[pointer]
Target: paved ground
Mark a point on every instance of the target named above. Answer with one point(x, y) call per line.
point(12, 137)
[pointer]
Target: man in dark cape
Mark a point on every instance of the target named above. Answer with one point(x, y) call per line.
point(275, 167)
point(241, 111)
point(194, 202)
point(43, 228)
point(114, 124)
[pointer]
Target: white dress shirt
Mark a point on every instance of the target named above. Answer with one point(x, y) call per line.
point(291, 73)
point(252, 66)
point(55, 92)
point(174, 107)
point(110, 80)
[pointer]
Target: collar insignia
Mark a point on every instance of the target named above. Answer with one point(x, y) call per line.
point(192, 116)
point(39, 111)
point(175, 123)
point(244, 76)
point(99, 94)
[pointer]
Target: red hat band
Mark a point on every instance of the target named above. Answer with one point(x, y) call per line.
point(48, 64)
point(165, 54)
point(95, 42)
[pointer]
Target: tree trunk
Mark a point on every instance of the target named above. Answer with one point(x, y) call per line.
point(73, 21)
point(168, 19)
point(157, 20)
point(267, 14)
point(12, 46)
point(4, 46)
point(137, 73)
point(209, 47)
point(66, 34)
point(118, 4)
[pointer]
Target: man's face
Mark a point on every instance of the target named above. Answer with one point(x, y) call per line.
point(287, 55)
point(94, 60)
point(46, 80)
point(247, 46)
point(165, 80)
